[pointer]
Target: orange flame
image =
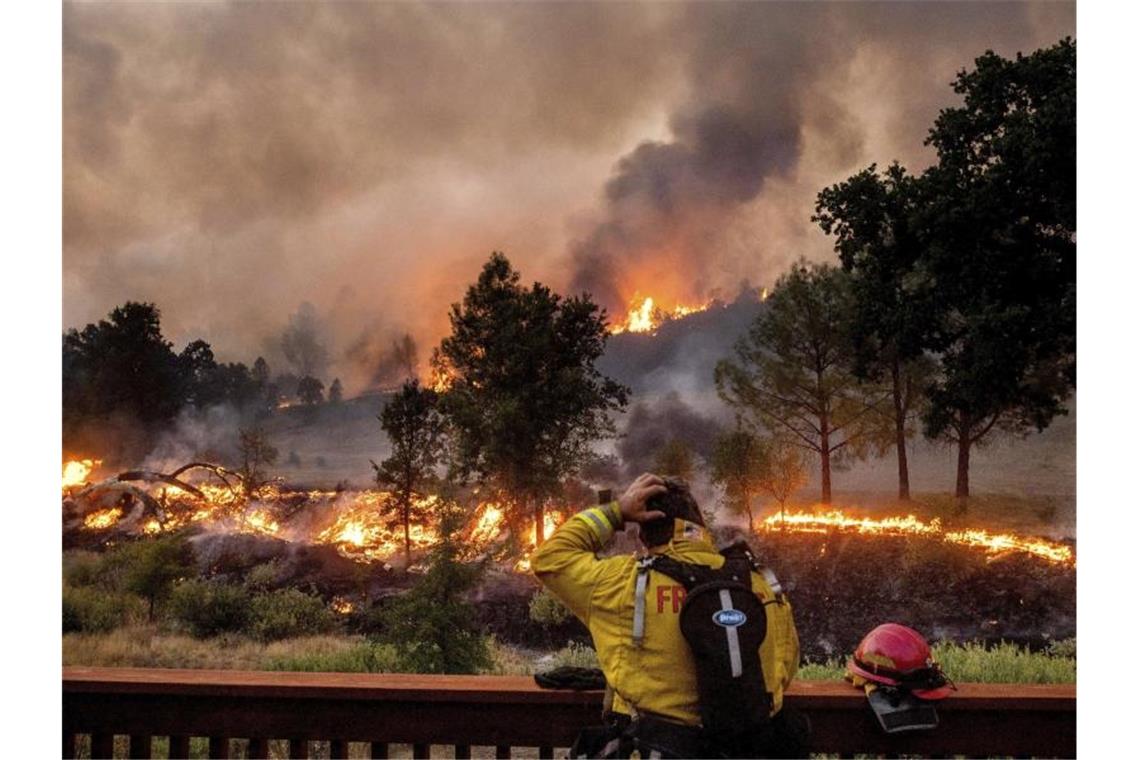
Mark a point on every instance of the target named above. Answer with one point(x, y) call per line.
point(441, 380)
point(646, 316)
point(77, 471)
point(909, 525)
point(102, 519)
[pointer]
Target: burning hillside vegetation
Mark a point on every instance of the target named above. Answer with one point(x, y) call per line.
point(646, 314)
point(845, 572)
point(360, 524)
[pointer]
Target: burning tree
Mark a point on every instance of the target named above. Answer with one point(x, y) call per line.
point(523, 398)
point(794, 373)
point(415, 428)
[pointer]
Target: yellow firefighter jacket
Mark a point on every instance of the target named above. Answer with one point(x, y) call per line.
point(659, 676)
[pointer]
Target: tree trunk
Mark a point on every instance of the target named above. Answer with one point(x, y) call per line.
point(824, 460)
point(962, 491)
point(748, 509)
point(539, 520)
point(407, 534)
point(900, 432)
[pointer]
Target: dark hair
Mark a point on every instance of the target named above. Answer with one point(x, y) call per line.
point(677, 503)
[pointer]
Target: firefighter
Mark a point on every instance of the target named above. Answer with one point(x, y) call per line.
point(653, 704)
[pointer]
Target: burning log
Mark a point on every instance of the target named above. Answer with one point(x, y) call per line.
point(110, 504)
point(158, 477)
point(219, 471)
point(116, 503)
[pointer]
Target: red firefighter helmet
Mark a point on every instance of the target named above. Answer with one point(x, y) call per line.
point(897, 656)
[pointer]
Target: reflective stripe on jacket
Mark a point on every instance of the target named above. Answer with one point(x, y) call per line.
point(659, 676)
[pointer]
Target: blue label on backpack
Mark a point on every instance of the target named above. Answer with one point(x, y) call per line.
point(729, 618)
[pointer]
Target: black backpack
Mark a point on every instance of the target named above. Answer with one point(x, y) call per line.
point(724, 624)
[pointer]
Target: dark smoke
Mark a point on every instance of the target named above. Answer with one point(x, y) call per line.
point(652, 424)
point(776, 95)
point(741, 126)
point(228, 160)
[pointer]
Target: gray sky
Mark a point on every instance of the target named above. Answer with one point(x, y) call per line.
point(231, 161)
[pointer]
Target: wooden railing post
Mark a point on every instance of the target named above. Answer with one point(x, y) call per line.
point(219, 748)
point(179, 747)
point(102, 746)
point(139, 748)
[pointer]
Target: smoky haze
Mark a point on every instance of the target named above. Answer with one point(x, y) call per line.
point(232, 162)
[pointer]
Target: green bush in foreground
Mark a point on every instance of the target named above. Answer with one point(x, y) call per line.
point(545, 609)
point(364, 657)
point(431, 627)
point(288, 612)
point(92, 610)
point(974, 662)
point(207, 608)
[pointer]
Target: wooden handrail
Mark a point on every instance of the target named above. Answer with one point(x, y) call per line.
point(504, 711)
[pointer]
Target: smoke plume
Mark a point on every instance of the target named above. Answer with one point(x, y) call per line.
point(229, 161)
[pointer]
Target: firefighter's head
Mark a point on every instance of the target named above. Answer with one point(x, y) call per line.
point(678, 504)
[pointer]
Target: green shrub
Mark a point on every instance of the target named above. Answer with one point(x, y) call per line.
point(151, 568)
point(263, 576)
point(92, 610)
point(575, 654)
point(207, 608)
point(1003, 663)
point(545, 609)
point(1063, 648)
point(974, 662)
point(366, 657)
point(432, 627)
point(81, 568)
point(288, 612)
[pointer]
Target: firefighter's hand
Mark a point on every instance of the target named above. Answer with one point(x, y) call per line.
point(632, 502)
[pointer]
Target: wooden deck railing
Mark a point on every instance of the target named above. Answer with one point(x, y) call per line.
point(502, 712)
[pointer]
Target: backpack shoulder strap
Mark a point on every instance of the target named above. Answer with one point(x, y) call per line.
point(688, 574)
point(685, 573)
point(738, 555)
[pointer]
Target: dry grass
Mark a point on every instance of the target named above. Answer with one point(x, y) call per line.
point(146, 647)
point(974, 663)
